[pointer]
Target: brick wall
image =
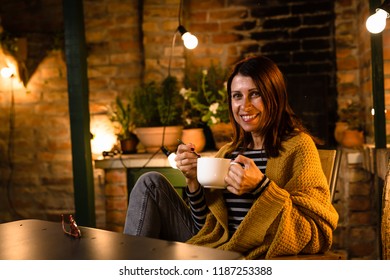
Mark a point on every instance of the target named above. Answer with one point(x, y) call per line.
point(128, 44)
point(297, 35)
point(356, 201)
point(116, 198)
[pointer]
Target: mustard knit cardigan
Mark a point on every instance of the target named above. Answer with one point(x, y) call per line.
point(293, 215)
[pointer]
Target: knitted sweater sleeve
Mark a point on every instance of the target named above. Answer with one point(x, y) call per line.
point(307, 219)
point(293, 215)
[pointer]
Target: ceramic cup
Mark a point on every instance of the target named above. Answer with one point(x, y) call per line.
point(212, 172)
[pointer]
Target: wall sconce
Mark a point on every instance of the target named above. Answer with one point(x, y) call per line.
point(190, 41)
point(376, 23)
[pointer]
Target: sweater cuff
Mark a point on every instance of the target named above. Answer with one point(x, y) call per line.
point(261, 186)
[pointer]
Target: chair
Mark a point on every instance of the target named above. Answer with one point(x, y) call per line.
point(330, 161)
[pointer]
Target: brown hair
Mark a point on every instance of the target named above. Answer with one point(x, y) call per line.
point(279, 121)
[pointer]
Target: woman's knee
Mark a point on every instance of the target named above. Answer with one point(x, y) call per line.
point(151, 180)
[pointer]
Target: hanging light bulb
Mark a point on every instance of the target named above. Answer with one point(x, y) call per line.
point(171, 157)
point(190, 41)
point(376, 23)
point(7, 72)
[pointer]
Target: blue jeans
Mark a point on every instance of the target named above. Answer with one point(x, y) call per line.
point(156, 210)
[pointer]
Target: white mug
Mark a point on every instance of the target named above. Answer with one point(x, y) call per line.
point(211, 172)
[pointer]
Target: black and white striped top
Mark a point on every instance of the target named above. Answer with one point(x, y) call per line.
point(237, 205)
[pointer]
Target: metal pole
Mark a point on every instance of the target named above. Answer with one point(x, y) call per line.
point(378, 90)
point(79, 112)
point(378, 93)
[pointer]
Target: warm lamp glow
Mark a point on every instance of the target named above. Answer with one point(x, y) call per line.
point(7, 72)
point(104, 137)
point(102, 142)
point(171, 157)
point(376, 23)
point(190, 41)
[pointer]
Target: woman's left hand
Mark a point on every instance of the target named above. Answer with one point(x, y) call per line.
point(243, 176)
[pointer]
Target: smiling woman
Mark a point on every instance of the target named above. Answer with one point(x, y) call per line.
point(276, 198)
point(247, 105)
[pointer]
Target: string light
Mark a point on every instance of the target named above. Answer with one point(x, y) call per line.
point(7, 72)
point(190, 41)
point(376, 23)
point(171, 157)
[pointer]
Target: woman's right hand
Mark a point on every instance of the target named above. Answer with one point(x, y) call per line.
point(187, 162)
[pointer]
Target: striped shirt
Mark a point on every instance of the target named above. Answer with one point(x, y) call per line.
point(237, 205)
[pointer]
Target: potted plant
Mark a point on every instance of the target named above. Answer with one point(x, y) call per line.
point(157, 113)
point(210, 101)
point(349, 131)
point(192, 120)
point(121, 116)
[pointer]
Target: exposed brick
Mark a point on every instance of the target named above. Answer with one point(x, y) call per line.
point(359, 204)
point(270, 35)
point(285, 23)
point(308, 8)
point(116, 203)
point(241, 13)
point(348, 77)
point(316, 44)
point(361, 249)
point(205, 4)
point(311, 56)
point(235, 25)
point(116, 7)
point(198, 16)
point(226, 38)
point(263, 11)
point(204, 27)
point(348, 63)
point(367, 234)
point(321, 67)
point(115, 228)
point(319, 19)
point(116, 175)
point(286, 46)
point(116, 190)
point(359, 189)
point(360, 218)
point(311, 32)
point(116, 217)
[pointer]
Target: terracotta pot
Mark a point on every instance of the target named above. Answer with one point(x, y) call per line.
point(352, 138)
point(152, 137)
point(195, 136)
point(129, 146)
point(222, 134)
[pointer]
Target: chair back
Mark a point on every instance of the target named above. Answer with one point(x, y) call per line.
point(330, 161)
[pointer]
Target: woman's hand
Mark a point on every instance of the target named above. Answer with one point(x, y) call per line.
point(187, 162)
point(243, 176)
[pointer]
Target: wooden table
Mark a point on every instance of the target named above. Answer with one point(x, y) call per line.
point(43, 240)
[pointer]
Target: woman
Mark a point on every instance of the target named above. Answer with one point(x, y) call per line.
point(277, 198)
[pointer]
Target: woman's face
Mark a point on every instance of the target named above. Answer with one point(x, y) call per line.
point(247, 105)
